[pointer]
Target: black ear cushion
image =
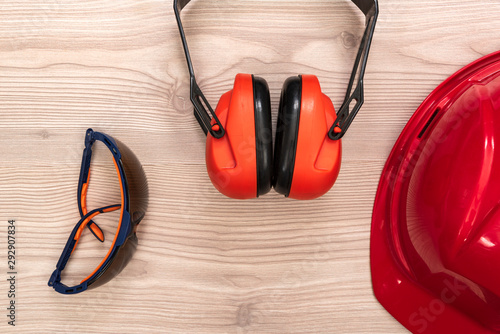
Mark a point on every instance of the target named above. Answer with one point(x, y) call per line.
point(263, 135)
point(287, 132)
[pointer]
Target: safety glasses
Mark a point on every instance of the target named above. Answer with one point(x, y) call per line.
point(134, 202)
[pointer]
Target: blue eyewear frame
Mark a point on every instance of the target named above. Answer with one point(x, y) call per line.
point(125, 240)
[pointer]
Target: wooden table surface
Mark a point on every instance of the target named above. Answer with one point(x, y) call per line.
point(205, 263)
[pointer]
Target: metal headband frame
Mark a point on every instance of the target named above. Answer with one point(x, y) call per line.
point(205, 114)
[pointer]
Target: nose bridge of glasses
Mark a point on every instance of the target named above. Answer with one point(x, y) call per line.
point(88, 219)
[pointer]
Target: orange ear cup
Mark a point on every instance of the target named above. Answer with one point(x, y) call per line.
point(239, 164)
point(307, 161)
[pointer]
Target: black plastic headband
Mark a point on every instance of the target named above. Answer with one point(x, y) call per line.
point(344, 116)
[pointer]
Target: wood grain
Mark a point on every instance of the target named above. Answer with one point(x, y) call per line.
point(205, 263)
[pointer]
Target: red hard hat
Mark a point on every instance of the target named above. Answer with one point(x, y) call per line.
point(435, 243)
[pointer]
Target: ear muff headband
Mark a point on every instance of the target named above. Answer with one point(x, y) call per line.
point(204, 113)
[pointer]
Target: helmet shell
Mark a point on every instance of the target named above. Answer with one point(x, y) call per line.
point(435, 242)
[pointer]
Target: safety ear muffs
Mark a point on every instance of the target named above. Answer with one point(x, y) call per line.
point(306, 160)
point(308, 149)
point(240, 163)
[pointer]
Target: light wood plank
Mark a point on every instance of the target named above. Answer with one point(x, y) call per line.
point(205, 263)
